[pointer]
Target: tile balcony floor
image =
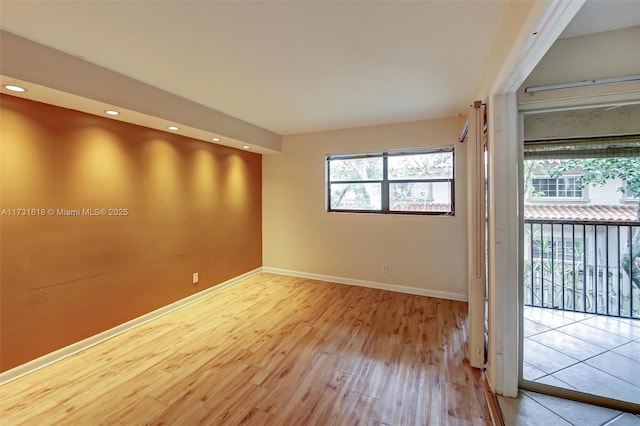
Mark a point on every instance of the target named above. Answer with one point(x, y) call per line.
point(590, 353)
point(536, 409)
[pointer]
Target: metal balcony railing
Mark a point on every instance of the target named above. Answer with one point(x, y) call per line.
point(583, 266)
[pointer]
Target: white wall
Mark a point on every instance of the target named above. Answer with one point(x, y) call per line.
point(515, 17)
point(426, 253)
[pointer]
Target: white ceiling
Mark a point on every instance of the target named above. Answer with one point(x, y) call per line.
point(290, 67)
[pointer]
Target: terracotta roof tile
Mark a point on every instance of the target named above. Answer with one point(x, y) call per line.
point(581, 212)
point(626, 213)
point(428, 207)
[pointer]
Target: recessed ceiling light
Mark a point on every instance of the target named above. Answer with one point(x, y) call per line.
point(111, 112)
point(173, 128)
point(246, 147)
point(14, 88)
point(215, 139)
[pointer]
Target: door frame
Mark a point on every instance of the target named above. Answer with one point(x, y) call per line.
point(613, 94)
point(543, 26)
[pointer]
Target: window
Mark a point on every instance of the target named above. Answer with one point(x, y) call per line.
point(410, 182)
point(629, 195)
point(561, 187)
point(568, 248)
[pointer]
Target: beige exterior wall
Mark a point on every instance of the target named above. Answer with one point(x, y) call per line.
point(587, 123)
point(427, 253)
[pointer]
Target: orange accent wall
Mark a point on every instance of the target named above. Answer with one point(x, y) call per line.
point(191, 207)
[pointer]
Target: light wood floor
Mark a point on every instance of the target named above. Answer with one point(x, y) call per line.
point(272, 350)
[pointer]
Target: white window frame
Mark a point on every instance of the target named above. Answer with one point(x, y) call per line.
point(545, 199)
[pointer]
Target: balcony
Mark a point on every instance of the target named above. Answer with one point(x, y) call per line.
point(583, 266)
point(582, 305)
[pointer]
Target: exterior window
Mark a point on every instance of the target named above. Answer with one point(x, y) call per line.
point(629, 196)
point(562, 187)
point(571, 249)
point(409, 182)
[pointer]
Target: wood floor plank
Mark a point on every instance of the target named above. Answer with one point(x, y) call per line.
point(272, 350)
point(134, 412)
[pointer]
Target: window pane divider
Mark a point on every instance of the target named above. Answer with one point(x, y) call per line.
point(447, 180)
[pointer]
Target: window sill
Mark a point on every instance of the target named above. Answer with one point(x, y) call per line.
point(382, 214)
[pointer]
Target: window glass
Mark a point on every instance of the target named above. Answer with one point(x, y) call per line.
point(420, 196)
point(354, 169)
point(355, 196)
point(421, 166)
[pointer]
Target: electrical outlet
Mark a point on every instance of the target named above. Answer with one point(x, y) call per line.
point(385, 268)
point(195, 277)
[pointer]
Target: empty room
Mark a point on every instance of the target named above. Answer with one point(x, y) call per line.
point(303, 212)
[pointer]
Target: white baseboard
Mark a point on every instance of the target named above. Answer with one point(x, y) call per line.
point(80, 346)
point(370, 284)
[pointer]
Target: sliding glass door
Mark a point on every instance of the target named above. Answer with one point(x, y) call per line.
point(581, 256)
